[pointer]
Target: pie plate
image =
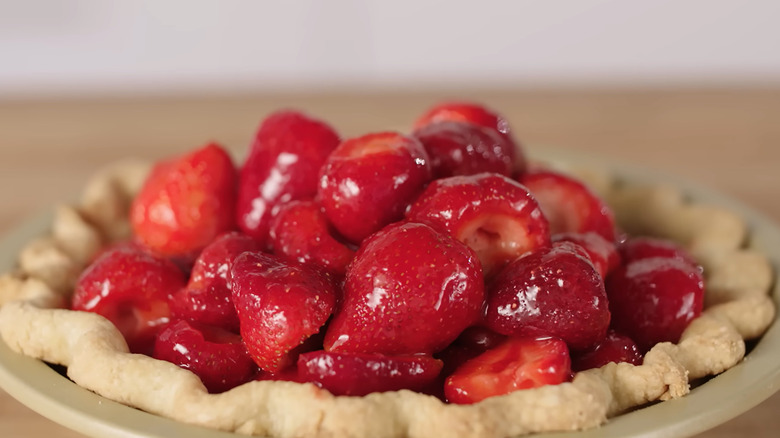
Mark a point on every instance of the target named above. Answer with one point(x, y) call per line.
point(754, 379)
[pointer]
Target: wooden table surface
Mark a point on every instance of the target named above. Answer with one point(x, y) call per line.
point(728, 140)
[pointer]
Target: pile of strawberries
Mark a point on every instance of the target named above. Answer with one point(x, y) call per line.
point(440, 262)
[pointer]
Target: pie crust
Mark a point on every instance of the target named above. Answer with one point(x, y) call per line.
point(33, 322)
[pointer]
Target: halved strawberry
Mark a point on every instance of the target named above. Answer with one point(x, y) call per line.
point(280, 304)
point(360, 374)
point(478, 115)
point(301, 231)
point(283, 164)
point(186, 202)
point(492, 214)
point(217, 356)
point(207, 297)
point(131, 288)
point(569, 205)
point(518, 363)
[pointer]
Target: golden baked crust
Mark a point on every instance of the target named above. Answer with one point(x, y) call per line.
point(32, 322)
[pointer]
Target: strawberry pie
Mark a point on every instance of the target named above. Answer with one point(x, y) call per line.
point(430, 283)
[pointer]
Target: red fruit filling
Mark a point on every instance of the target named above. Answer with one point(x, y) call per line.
point(368, 181)
point(130, 288)
point(550, 292)
point(282, 165)
point(280, 304)
point(218, 357)
point(361, 374)
point(613, 348)
point(493, 215)
point(301, 231)
point(410, 289)
point(185, 203)
point(518, 363)
point(458, 148)
point(207, 298)
point(569, 205)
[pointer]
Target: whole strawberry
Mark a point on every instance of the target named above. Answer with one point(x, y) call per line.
point(368, 181)
point(207, 298)
point(217, 356)
point(131, 288)
point(282, 165)
point(280, 304)
point(492, 214)
point(410, 289)
point(477, 115)
point(569, 205)
point(459, 148)
point(550, 292)
point(185, 203)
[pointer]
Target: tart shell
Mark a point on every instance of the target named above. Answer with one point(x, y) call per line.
point(737, 308)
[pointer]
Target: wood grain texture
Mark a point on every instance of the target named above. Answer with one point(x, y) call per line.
point(728, 140)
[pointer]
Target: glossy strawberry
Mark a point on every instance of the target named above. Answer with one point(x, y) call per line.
point(518, 363)
point(410, 289)
point(602, 253)
point(613, 348)
point(360, 374)
point(186, 202)
point(301, 231)
point(636, 248)
point(470, 343)
point(217, 356)
point(207, 298)
point(282, 165)
point(550, 292)
point(492, 214)
point(569, 205)
point(130, 288)
point(478, 115)
point(653, 299)
point(280, 304)
point(459, 148)
point(368, 181)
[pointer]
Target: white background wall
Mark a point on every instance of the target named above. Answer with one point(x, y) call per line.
point(130, 46)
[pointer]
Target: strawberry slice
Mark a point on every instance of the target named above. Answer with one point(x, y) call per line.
point(301, 231)
point(131, 288)
point(518, 363)
point(492, 214)
point(478, 115)
point(280, 303)
point(207, 298)
point(569, 205)
point(186, 202)
point(217, 356)
point(360, 374)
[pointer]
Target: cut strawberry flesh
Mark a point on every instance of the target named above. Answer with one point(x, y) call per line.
point(569, 205)
point(360, 374)
point(493, 215)
point(518, 363)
